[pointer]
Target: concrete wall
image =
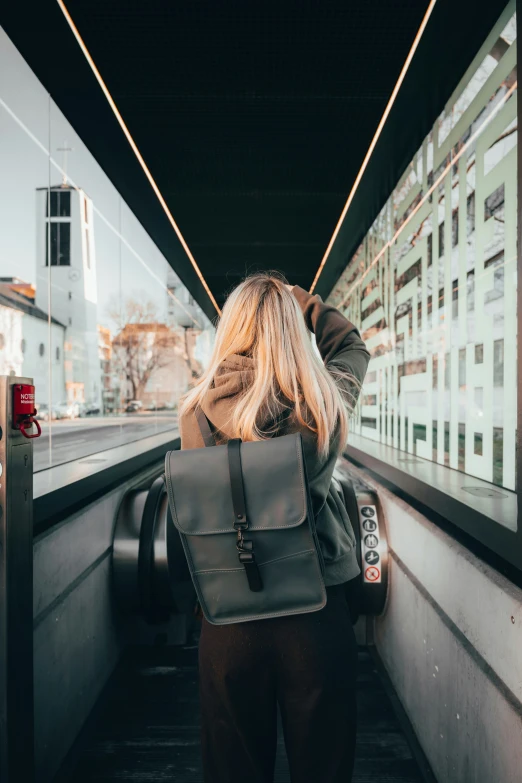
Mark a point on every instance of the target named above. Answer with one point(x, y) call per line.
point(79, 633)
point(451, 640)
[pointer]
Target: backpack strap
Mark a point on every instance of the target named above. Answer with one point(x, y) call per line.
point(244, 547)
point(204, 428)
point(236, 484)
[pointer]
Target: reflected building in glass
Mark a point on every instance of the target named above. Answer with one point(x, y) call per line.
point(89, 306)
point(25, 332)
point(433, 283)
point(66, 258)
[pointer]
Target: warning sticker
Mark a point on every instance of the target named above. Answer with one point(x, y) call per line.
point(370, 544)
point(372, 574)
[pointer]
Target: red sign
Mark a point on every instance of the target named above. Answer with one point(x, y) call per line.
point(23, 401)
point(372, 574)
point(24, 410)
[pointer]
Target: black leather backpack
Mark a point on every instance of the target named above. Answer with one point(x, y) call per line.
point(244, 514)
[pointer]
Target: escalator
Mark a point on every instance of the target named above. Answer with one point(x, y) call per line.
point(145, 727)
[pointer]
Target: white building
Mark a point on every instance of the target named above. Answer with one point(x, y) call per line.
point(25, 333)
point(66, 284)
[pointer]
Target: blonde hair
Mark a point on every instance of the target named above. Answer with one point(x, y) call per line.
point(262, 319)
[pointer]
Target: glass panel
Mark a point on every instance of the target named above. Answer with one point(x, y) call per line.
point(29, 337)
point(434, 290)
point(88, 305)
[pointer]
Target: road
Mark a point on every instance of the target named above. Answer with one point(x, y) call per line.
point(76, 438)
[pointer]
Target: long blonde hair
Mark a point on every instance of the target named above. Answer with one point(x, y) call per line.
point(262, 319)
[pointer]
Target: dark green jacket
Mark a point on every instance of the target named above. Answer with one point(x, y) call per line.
point(342, 350)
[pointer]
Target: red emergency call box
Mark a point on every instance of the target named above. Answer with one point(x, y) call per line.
point(24, 410)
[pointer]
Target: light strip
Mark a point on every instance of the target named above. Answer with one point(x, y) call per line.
point(428, 193)
point(374, 140)
point(136, 151)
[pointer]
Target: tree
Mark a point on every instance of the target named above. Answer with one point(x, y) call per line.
point(142, 344)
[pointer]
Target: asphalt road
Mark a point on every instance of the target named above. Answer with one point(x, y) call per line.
point(76, 438)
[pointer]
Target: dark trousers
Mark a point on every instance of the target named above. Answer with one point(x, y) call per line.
point(305, 663)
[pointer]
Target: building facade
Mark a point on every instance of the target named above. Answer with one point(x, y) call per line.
point(66, 283)
point(31, 343)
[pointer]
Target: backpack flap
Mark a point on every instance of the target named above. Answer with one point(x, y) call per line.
point(284, 575)
point(274, 482)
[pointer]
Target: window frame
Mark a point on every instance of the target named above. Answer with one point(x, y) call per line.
point(51, 222)
point(58, 194)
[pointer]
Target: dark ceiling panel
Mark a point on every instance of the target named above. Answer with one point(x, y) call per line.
point(253, 117)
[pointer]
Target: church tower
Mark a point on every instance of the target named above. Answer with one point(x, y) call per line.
point(66, 283)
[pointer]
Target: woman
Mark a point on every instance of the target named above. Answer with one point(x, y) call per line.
point(265, 379)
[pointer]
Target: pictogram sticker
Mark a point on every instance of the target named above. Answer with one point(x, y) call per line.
point(372, 574)
point(371, 541)
point(372, 557)
point(370, 544)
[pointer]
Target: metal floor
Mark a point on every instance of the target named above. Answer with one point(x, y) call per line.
point(147, 726)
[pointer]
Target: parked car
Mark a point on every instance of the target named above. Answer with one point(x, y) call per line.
point(42, 412)
point(89, 409)
point(44, 415)
point(157, 406)
point(134, 406)
point(68, 410)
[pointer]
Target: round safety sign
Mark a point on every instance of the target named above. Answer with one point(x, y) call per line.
point(367, 511)
point(369, 525)
point(372, 557)
point(372, 574)
point(371, 541)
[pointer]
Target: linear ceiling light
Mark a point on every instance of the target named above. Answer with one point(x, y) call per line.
point(137, 152)
point(374, 140)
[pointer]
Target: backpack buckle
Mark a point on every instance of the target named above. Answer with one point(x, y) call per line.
point(240, 540)
point(247, 559)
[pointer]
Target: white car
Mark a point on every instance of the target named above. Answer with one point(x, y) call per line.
point(68, 410)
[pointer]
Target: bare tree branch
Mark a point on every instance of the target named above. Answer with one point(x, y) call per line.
point(143, 344)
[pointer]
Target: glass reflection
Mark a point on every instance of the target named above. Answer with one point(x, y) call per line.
point(434, 283)
point(88, 305)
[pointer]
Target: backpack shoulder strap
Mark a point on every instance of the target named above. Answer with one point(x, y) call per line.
point(204, 428)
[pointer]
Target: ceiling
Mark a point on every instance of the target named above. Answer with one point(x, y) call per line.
point(253, 117)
